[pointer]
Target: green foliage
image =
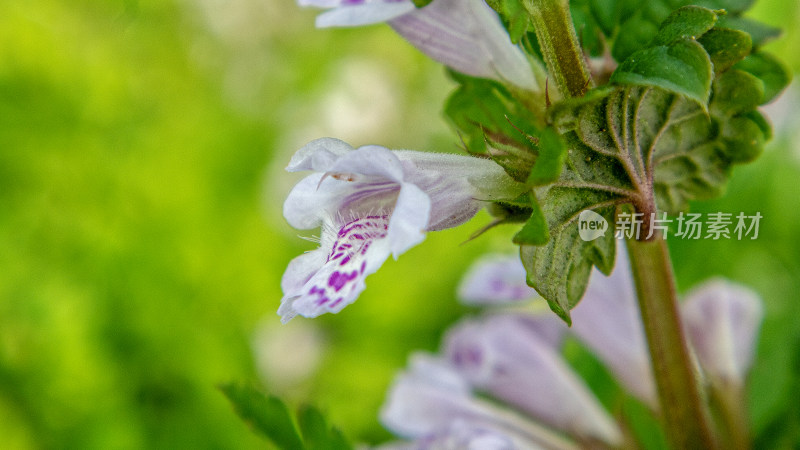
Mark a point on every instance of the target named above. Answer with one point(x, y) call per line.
point(688, 22)
point(486, 113)
point(726, 47)
point(628, 26)
point(551, 154)
point(682, 66)
point(560, 268)
point(515, 15)
point(687, 112)
point(621, 144)
point(269, 416)
point(535, 231)
point(769, 70)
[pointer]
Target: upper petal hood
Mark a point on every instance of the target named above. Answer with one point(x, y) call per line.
point(468, 36)
point(722, 320)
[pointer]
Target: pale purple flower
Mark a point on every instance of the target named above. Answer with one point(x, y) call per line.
point(466, 35)
point(722, 320)
point(606, 320)
point(495, 279)
point(372, 202)
point(515, 359)
point(432, 404)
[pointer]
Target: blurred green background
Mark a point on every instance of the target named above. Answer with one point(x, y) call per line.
point(141, 239)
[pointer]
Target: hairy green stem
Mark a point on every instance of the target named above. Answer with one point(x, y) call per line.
point(559, 43)
point(687, 421)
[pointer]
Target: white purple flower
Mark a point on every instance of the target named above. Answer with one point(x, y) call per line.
point(372, 202)
point(515, 359)
point(722, 321)
point(466, 35)
point(433, 405)
point(606, 320)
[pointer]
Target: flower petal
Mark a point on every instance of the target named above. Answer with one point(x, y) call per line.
point(457, 185)
point(495, 280)
point(351, 14)
point(409, 219)
point(467, 35)
point(607, 320)
point(358, 250)
point(512, 363)
point(722, 320)
point(430, 397)
point(370, 160)
point(318, 155)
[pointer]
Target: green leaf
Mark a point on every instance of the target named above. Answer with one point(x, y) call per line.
point(560, 269)
point(641, 21)
point(770, 71)
point(760, 33)
point(625, 145)
point(736, 92)
point(484, 110)
point(268, 416)
point(535, 230)
point(726, 47)
point(732, 6)
point(682, 66)
point(550, 159)
point(689, 22)
point(317, 434)
point(515, 17)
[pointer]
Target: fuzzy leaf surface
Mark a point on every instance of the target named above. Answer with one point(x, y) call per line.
point(625, 143)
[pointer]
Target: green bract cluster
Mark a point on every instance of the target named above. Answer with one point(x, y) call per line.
point(675, 107)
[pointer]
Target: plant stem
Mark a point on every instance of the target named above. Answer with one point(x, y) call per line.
point(732, 415)
point(559, 43)
point(687, 421)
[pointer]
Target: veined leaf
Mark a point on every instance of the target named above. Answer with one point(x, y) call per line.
point(770, 71)
point(625, 145)
point(268, 416)
point(535, 231)
point(559, 270)
point(726, 47)
point(689, 22)
point(682, 66)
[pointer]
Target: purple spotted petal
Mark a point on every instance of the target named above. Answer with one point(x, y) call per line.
point(430, 398)
point(722, 320)
point(495, 280)
point(468, 36)
point(607, 320)
point(511, 362)
point(357, 250)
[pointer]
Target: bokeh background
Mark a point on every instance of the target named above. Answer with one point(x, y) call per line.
point(142, 144)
